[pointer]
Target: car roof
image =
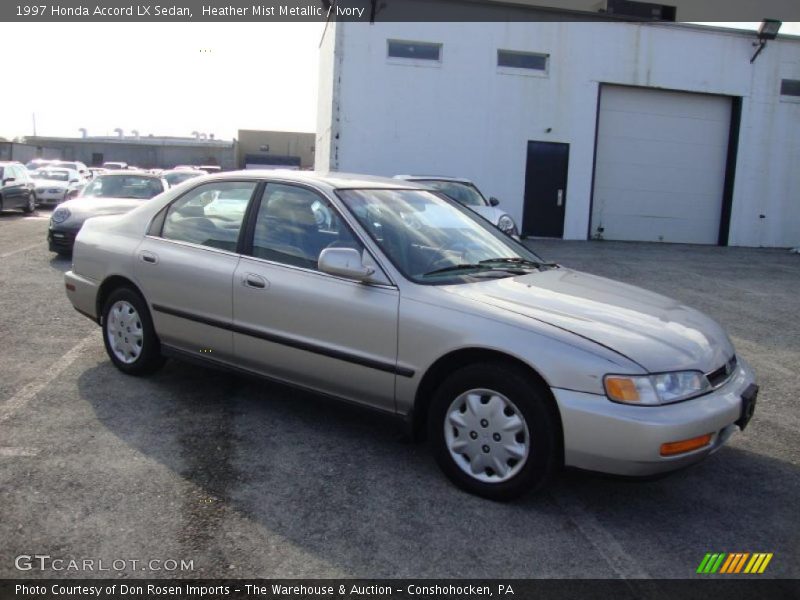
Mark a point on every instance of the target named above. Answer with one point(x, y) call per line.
point(170, 171)
point(5, 163)
point(131, 172)
point(333, 180)
point(432, 178)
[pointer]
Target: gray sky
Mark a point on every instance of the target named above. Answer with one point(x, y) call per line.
point(167, 78)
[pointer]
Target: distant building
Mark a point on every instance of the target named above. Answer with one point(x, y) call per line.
point(26, 152)
point(142, 151)
point(586, 129)
point(275, 149)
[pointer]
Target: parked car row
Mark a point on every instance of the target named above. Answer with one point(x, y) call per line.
point(390, 294)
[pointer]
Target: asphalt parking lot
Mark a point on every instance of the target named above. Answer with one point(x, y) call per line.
point(249, 479)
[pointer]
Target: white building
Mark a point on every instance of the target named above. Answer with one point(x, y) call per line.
point(652, 131)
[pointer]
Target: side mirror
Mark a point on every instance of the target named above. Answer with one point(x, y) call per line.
point(344, 262)
point(494, 201)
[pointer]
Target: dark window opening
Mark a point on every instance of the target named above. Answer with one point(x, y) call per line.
point(790, 87)
point(415, 50)
point(522, 60)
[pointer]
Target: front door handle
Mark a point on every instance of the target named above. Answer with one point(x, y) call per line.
point(255, 281)
point(148, 257)
point(560, 198)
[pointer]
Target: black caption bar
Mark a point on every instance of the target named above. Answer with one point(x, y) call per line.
point(368, 11)
point(400, 589)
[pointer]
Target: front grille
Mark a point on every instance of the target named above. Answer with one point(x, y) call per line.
point(719, 376)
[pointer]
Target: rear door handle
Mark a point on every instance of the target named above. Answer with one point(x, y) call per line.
point(149, 257)
point(560, 198)
point(255, 281)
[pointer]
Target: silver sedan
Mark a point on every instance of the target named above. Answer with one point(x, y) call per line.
point(407, 302)
point(467, 193)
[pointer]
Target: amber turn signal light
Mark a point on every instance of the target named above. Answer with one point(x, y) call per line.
point(622, 389)
point(673, 448)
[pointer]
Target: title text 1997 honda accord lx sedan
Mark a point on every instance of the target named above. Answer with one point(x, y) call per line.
point(405, 301)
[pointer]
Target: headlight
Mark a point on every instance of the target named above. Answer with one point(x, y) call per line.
point(506, 225)
point(652, 390)
point(60, 215)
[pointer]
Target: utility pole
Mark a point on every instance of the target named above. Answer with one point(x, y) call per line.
point(34, 124)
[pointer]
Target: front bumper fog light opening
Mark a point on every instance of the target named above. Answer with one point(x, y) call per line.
point(684, 446)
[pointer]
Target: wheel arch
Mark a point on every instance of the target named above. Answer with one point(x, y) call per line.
point(110, 284)
point(466, 356)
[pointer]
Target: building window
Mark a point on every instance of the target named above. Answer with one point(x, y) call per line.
point(790, 87)
point(414, 50)
point(531, 61)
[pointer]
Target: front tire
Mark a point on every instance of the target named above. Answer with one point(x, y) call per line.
point(128, 333)
point(494, 431)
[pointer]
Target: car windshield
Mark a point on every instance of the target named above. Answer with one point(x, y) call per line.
point(124, 186)
point(180, 177)
point(51, 174)
point(432, 240)
point(463, 193)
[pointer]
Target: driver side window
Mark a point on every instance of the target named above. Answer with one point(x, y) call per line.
point(294, 225)
point(209, 215)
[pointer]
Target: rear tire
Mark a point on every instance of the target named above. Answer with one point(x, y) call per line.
point(494, 431)
point(30, 206)
point(128, 333)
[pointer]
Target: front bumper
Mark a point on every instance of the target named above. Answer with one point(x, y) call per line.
point(600, 435)
point(61, 239)
point(82, 293)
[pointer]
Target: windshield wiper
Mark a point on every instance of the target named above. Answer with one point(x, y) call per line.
point(478, 267)
point(459, 267)
point(515, 260)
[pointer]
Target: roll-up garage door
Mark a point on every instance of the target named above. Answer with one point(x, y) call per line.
point(660, 165)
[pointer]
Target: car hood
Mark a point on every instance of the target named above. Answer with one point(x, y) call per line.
point(654, 331)
point(85, 207)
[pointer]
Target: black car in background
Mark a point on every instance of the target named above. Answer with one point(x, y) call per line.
point(17, 189)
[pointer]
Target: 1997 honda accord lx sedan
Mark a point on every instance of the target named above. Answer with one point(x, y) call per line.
point(407, 302)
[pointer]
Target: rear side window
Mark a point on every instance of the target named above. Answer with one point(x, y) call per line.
point(209, 215)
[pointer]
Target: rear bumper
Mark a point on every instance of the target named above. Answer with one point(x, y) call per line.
point(600, 435)
point(51, 197)
point(82, 293)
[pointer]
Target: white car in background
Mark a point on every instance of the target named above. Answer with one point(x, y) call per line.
point(56, 184)
point(467, 194)
point(177, 176)
point(76, 165)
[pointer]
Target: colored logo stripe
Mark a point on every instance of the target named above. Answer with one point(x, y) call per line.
point(734, 562)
